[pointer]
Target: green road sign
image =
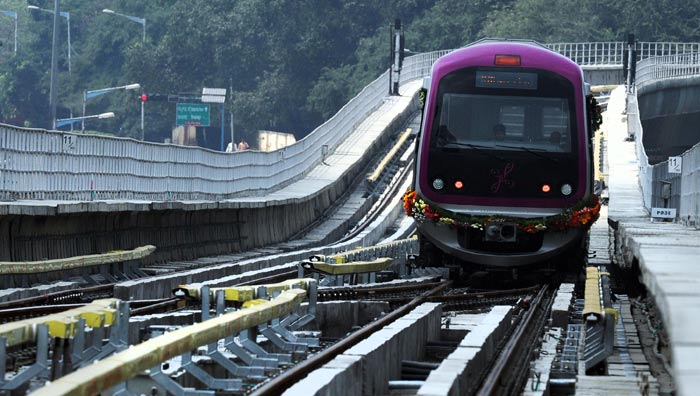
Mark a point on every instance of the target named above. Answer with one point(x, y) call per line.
point(192, 114)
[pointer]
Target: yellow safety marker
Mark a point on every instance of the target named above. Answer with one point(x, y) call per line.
point(64, 264)
point(354, 267)
point(592, 304)
point(387, 158)
point(242, 293)
point(614, 312)
point(253, 303)
point(124, 365)
point(62, 325)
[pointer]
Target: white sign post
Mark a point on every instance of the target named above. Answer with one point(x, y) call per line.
point(663, 213)
point(217, 95)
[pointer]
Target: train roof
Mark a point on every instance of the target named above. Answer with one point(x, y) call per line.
point(532, 55)
point(505, 40)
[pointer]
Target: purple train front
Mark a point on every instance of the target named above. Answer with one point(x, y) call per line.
point(504, 170)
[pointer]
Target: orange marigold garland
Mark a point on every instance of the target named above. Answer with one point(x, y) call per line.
point(583, 214)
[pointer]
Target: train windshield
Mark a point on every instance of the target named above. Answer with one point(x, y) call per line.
point(520, 113)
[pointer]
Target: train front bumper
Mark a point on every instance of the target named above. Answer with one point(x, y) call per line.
point(554, 243)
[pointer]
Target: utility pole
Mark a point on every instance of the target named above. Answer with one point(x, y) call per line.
point(398, 54)
point(54, 61)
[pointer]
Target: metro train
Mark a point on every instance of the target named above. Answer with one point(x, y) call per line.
point(503, 177)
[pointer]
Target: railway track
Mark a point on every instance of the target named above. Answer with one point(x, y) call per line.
point(527, 319)
point(495, 345)
point(377, 293)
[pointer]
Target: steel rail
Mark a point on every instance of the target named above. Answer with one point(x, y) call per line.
point(389, 157)
point(155, 307)
point(389, 196)
point(359, 292)
point(507, 372)
point(73, 295)
point(280, 383)
point(380, 293)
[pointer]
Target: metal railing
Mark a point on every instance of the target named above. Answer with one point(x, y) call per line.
point(666, 67)
point(586, 54)
point(612, 53)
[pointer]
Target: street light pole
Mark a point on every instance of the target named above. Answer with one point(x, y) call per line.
point(97, 92)
point(12, 14)
point(52, 88)
point(65, 15)
point(65, 121)
point(138, 20)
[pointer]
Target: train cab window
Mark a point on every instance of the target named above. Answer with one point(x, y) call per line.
point(529, 122)
point(555, 131)
point(513, 117)
point(538, 112)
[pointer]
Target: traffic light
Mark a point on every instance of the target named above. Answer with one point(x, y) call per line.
point(154, 97)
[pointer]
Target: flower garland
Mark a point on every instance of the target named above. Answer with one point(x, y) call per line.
point(581, 215)
point(595, 113)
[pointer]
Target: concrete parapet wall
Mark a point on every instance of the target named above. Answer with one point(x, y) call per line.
point(670, 112)
point(669, 97)
point(603, 74)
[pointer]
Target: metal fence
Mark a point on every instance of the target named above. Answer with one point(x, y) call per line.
point(666, 67)
point(612, 53)
point(586, 54)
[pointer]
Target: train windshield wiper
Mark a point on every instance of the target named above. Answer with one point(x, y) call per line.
point(533, 152)
point(479, 149)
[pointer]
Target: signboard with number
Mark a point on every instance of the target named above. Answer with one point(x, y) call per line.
point(675, 164)
point(69, 143)
point(663, 213)
point(193, 114)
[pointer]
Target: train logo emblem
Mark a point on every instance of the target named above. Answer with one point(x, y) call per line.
point(502, 178)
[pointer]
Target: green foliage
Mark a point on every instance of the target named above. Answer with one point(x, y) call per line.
point(291, 63)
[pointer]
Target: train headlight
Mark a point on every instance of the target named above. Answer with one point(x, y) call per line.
point(566, 189)
point(438, 184)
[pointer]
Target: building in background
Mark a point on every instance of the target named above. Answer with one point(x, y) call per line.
point(271, 141)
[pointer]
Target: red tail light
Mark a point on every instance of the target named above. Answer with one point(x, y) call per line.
point(507, 60)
